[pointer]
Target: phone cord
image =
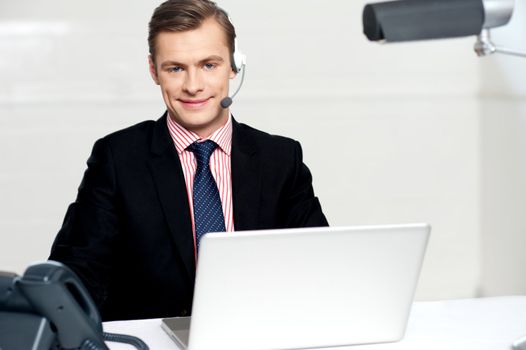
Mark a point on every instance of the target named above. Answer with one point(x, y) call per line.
point(112, 337)
point(127, 339)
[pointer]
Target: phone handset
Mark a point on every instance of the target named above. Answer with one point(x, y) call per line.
point(53, 290)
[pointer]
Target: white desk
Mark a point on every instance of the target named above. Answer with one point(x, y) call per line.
point(478, 324)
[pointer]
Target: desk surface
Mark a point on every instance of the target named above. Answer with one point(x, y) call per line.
point(481, 324)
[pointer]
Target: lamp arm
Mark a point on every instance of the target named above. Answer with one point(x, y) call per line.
point(484, 46)
point(510, 52)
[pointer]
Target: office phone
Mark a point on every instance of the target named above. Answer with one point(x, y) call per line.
point(49, 308)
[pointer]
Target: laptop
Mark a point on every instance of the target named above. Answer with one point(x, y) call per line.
point(302, 288)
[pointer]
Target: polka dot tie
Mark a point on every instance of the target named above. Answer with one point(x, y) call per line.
point(208, 212)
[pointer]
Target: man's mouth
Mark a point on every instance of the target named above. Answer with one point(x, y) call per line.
point(194, 103)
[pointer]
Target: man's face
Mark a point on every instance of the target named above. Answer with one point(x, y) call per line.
point(193, 70)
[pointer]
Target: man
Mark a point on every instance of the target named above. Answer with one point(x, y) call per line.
point(152, 190)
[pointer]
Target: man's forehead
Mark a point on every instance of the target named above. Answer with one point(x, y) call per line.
point(208, 35)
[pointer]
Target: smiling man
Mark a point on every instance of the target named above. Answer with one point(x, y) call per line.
point(151, 191)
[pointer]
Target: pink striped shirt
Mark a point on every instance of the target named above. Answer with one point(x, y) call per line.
point(219, 165)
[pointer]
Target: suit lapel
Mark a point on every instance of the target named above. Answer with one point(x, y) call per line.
point(245, 179)
point(168, 176)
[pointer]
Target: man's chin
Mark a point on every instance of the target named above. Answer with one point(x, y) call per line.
point(199, 122)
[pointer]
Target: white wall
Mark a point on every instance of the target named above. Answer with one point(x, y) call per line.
point(503, 166)
point(406, 124)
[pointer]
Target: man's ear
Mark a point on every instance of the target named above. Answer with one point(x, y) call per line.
point(232, 74)
point(153, 69)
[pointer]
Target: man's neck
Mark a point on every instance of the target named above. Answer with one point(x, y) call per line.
point(205, 131)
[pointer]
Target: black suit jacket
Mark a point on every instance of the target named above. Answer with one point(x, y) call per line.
point(129, 234)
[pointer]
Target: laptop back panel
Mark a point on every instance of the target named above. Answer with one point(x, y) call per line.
point(281, 289)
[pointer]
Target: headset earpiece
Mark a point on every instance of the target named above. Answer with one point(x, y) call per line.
point(239, 60)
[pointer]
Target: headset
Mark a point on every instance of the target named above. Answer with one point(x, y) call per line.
point(239, 62)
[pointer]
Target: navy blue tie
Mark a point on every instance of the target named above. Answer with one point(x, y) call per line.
point(208, 212)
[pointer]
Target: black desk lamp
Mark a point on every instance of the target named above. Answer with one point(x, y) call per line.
point(407, 20)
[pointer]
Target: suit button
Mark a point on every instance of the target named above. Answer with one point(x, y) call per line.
point(184, 312)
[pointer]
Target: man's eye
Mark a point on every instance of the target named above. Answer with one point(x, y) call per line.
point(175, 69)
point(209, 66)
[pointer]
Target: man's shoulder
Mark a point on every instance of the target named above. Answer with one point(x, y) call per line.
point(263, 138)
point(137, 131)
point(132, 141)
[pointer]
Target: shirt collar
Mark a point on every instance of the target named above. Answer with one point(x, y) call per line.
point(183, 138)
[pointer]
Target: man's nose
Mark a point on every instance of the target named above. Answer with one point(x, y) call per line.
point(193, 82)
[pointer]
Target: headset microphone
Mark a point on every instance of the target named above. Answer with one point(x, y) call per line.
point(239, 62)
point(227, 101)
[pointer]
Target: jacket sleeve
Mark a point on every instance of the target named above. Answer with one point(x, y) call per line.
point(91, 228)
point(304, 207)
